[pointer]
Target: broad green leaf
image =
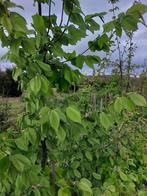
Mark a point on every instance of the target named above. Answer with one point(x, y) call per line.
point(6, 22)
point(54, 120)
point(44, 114)
point(22, 142)
point(61, 134)
point(77, 19)
point(36, 192)
point(88, 155)
point(16, 73)
point(118, 105)
point(111, 188)
point(118, 28)
point(32, 136)
point(4, 165)
point(137, 9)
point(127, 104)
point(101, 14)
point(13, 5)
point(103, 41)
point(123, 176)
point(108, 26)
point(18, 23)
point(137, 99)
point(97, 176)
point(129, 23)
point(142, 193)
point(73, 114)
point(39, 24)
point(19, 183)
point(85, 185)
point(45, 67)
point(68, 75)
point(92, 60)
point(93, 26)
point(79, 61)
point(29, 46)
point(20, 162)
point(105, 120)
point(35, 84)
point(44, 84)
point(64, 192)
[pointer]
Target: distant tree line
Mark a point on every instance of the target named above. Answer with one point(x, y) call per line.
point(8, 87)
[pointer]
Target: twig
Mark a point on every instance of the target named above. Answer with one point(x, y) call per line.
point(49, 15)
point(62, 14)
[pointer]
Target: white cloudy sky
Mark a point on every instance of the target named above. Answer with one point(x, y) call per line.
point(93, 6)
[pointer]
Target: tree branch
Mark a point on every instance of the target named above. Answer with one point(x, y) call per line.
point(49, 15)
point(39, 9)
point(62, 14)
point(65, 29)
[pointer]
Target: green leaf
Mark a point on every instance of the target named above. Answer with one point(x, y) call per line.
point(61, 134)
point(118, 28)
point(92, 60)
point(44, 114)
point(118, 105)
point(68, 75)
point(137, 9)
point(16, 73)
point(105, 120)
point(32, 136)
point(18, 23)
point(129, 23)
point(142, 193)
point(103, 41)
point(108, 26)
point(22, 142)
point(39, 24)
point(97, 176)
point(79, 61)
point(127, 104)
point(137, 99)
point(92, 25)
point(101, 14)
point(54, 120)
point(45, 67)
point(73, 114)
point(77, 19)
point(111, 188)
point(6, 22)
point(4, 165)
point(64, 192)
point(88, 155)
point(44, 84)
point(85, 185)
point(20, 162)
point(36, 192)
point(29, 46)
point(123, 176)
point(35, 84)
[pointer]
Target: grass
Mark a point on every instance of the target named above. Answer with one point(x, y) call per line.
point(10, 109)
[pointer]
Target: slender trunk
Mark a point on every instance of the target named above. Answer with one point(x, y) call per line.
point(43, 153)
point(53, 178)
point(39, 9)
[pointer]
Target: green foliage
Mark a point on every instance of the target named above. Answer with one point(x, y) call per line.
point(58, 151)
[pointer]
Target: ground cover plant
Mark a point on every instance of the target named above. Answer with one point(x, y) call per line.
point(65, 148)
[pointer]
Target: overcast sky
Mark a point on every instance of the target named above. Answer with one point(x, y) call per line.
point(88, 7)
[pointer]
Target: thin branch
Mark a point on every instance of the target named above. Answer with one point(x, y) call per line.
point(65, 29)
point(62, 14)
point(49, 15)
point(82, 53)
point(39, 9)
